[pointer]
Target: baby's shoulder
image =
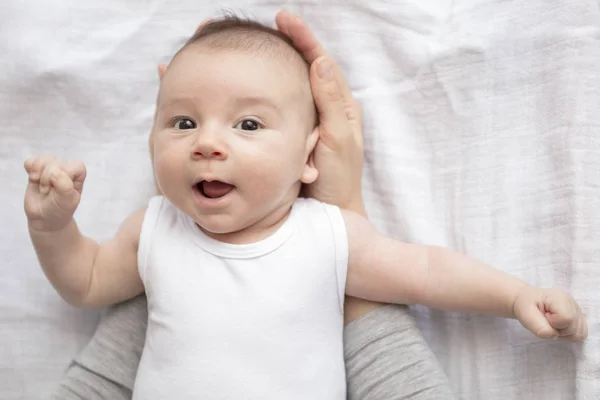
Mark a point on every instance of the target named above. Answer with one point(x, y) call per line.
point(316, 213)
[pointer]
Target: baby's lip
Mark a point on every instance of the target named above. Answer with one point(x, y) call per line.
point(214, 189)
point(215, 180)
point(211, 179)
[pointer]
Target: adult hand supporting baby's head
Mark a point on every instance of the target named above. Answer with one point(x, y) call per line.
point(338, 154)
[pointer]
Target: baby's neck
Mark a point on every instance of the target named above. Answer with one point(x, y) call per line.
point(257, 231)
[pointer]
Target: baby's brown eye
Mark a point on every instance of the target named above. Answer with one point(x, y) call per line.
point(184, 123)
point(248, 125)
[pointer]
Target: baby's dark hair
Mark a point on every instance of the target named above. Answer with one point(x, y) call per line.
point(233, 32)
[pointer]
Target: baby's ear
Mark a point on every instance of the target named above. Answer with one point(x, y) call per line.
point(310, 172)
point(162, 68)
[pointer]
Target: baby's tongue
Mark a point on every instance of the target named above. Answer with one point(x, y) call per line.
point(216, 189)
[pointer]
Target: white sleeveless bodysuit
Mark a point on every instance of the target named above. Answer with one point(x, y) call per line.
point(260, 321)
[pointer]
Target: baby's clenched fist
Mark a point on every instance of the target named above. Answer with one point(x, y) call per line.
point(550, 314)
point(53, 191)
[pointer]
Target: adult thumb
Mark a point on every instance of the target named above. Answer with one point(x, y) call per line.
point(329, 101)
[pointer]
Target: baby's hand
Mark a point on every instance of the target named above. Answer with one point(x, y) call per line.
point(550, 314)
point(53, 192)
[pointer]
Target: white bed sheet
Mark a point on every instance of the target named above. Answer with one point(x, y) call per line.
point(482, 122)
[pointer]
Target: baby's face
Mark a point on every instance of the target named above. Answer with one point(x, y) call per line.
point(232, 136)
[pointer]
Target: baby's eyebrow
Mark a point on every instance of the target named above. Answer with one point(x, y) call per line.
point(258, 101)
point(174, 102)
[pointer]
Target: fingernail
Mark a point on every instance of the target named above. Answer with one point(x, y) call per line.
point(297, 18)
point(325, 69)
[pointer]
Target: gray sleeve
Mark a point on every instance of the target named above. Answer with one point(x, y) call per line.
point(387, 358)
point(106, 367)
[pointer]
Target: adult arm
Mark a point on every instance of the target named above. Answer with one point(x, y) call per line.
point(387, 358)
point(107, 366)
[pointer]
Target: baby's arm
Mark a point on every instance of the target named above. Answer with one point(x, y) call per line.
point(85, 273)
point(386, 270)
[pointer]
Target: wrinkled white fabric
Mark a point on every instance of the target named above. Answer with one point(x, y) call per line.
point(481, 133)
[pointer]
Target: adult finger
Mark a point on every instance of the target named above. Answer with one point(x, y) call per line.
point(304, 40)
point(329, 102)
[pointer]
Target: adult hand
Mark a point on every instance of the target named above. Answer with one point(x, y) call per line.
point(338, 154)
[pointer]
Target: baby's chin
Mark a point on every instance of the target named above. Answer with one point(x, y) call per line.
point(225, 232)
point(216, 229)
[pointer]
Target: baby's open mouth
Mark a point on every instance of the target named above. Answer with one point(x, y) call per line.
point(214, 189)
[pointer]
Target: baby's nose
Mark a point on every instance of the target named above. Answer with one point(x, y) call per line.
point(211, 154)
point(209, 147)
point(209, 143)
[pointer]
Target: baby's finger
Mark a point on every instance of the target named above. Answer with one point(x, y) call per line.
point(38, 165)
point(61, 182)
point(561, 309)
point(45, 183)
point(28, 164)
point(76, 171)
point(533, 319)
point(577, 333)
point(565, 330)
point(582, 332)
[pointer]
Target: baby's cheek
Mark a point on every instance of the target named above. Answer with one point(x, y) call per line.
point(263, 180)
point(166, 172)
point(272, 169)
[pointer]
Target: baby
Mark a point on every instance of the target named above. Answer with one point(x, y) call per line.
point(265, 270)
